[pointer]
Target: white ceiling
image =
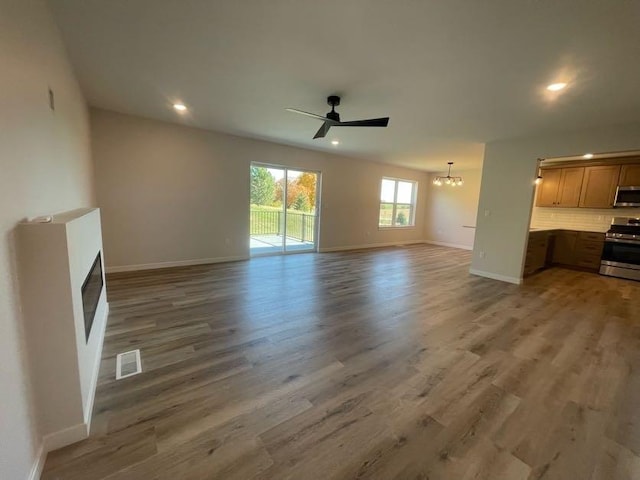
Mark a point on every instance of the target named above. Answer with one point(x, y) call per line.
point(451, 74)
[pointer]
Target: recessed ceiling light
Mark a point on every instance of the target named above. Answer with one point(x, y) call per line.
point(587, 155)
point(554, 87)
point(335, 142)
point(179, 107)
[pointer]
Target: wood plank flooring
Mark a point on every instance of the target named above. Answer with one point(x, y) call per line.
point(382, 364)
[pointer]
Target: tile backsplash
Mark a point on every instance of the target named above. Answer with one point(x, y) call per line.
point(584, 219)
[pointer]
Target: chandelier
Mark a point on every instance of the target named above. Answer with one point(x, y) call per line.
point(448, 180)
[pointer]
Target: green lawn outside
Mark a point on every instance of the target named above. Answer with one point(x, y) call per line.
point(386, 214)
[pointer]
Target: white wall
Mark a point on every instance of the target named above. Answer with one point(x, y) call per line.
point(506, 195)
point(451, 211)
point(45, 167)
point(170, 193)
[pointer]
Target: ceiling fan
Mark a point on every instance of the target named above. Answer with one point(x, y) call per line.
point(333, 118)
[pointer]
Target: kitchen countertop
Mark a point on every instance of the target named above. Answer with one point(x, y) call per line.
point(549, 229)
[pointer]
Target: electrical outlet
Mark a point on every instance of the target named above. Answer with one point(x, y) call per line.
point(487, 213)
point(227, 241)
point(482, 254)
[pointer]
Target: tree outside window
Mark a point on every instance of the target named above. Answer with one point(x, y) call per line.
point(397, 203)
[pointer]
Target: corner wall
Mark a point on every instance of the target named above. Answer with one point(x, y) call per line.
point(451, 211)
point(506, 194)
point(45, 167)
point(171, 194)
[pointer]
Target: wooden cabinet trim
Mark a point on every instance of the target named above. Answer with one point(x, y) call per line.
point(591, 163)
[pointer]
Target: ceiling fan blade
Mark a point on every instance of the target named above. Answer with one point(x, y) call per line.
point(372, 122)
point(312, 115)
point(324, 129)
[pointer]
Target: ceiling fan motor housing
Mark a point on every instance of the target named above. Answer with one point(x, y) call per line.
point(334, 101)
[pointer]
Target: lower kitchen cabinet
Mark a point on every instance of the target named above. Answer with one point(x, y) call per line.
point(588, 250)
point(564, 247)
point(567, 248)
point(537, 251)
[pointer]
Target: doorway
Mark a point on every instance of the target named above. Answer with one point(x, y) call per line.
point(283, 215)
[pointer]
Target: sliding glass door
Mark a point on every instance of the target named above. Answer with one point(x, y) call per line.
point(283, 215)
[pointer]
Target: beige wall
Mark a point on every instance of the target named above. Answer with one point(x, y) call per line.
point(170, 193)
point(451, 211)
point(44, 167)
point(506, 195)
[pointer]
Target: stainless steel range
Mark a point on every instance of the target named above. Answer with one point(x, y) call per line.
point(621, 254)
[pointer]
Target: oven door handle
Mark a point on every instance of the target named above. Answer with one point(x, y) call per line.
point(620, 240)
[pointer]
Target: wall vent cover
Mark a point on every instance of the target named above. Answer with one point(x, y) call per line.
point(128, 364)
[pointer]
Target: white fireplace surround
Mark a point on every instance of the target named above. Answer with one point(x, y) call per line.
point(54, 260)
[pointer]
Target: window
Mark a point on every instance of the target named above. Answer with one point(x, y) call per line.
point(397, 203)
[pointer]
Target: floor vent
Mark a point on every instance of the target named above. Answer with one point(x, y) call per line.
point(128, 364)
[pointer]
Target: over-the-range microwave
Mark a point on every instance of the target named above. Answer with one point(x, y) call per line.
point(627, 197)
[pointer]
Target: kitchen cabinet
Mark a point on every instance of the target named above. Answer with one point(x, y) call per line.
point(537, 250)
point(570, 187)
point(560, 187)
point(588, 250)
point(585, 184)
point(630, 175)
point(564, 247)
point(548, 189)
point(599, 186)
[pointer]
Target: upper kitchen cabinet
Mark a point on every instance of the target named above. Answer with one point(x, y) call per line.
point(570, 187)
point(548, 189)
point(560, 187)
point(630, 175)
point(599, 186)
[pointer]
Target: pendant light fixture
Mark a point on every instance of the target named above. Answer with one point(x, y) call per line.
point(448, 180)
point(538, 179)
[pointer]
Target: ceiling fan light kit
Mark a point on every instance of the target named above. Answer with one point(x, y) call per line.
point(332, 119)
point(448, 180)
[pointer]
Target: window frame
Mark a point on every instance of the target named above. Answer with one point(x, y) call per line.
point(412, 206)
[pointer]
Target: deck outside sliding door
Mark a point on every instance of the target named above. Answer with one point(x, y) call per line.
point(283, 214)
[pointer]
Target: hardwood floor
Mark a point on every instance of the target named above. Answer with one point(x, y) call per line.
point(386, 364)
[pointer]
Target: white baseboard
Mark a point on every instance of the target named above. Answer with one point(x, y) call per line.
point(36, 470)
point(447, 244)
point(96, 371)
point(495, 276)
point(65, 437)
point(369, 245)
point(179, 263)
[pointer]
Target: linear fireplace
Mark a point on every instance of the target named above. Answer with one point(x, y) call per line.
point(65, 309)
point(91, 290)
